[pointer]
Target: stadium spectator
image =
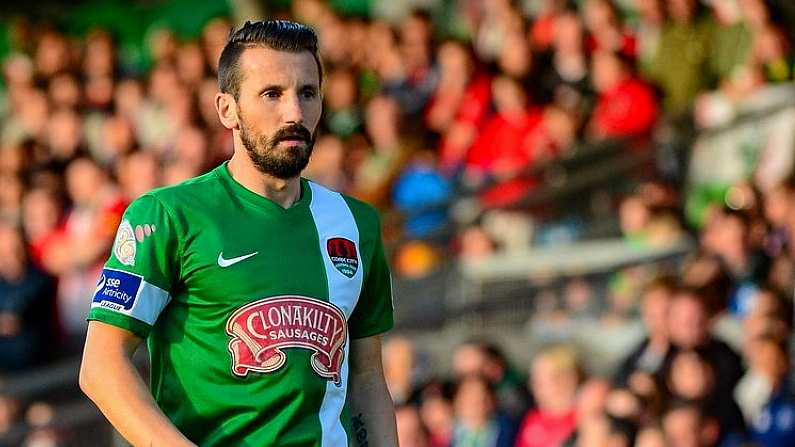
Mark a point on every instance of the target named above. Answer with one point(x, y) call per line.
point(400, 365)
point(421, 193)
point(411, 432)
point(76, 255)
point(459, 106)
point(564, 75)
point(729, 236)
point(505, 150)
point(680, 65)
point(42, 213)
point(691, 378)
point(542, 31)
point(343, 116)
point(689, 329)
point(27, 311)
point(606, 32)
point(436, 412)
point(485, 359)
point(554, 379)
point(651, 20)
point(686, 425)
point(626, 106)
point(593, 426)
point(478, 420)
point(774, 423)
point(648, 357)
point(373, 178)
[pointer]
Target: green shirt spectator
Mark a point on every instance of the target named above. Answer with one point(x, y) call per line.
point(681, 65)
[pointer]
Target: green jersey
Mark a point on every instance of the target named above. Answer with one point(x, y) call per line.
point(248, 308)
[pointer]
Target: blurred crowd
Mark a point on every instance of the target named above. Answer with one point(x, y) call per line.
point(476, 97)
point(680, 386)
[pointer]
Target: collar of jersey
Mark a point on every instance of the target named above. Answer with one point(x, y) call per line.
point(263, 202)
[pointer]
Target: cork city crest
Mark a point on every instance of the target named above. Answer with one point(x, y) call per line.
point(262, 329)
point(342, 253)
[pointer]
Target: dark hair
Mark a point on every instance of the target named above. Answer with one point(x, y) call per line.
point(281, 35)
point(624, 427)
point(477, 378)
point(697, 294)
point(667, 282)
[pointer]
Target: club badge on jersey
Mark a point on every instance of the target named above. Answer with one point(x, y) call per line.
point(342, 253)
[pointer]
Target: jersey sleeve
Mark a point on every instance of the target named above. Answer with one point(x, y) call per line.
point(374, 311)
point(136, 282)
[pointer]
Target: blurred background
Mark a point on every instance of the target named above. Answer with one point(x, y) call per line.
point(589, 206)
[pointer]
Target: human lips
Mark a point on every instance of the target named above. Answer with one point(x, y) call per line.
point(293, 136)
point(292, 142)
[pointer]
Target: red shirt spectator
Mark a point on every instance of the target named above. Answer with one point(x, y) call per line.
point(554, 377)
point(503, 145)
point(504, 149)
point(470, 117)
point(626, 106)
point(540, 429)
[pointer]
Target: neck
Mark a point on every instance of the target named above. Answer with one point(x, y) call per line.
point(283, 192)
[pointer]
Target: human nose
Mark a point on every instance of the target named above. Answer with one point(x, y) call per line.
point(292, 112)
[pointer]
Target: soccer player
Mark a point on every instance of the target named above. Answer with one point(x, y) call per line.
point(261, 295)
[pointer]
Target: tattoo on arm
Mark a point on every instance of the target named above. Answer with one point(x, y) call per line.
point(360, 430)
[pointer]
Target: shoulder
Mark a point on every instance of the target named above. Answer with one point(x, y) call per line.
point(366, 216)
point(173, 196)
point(363, 212)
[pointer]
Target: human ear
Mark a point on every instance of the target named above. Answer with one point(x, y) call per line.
point(226, 106)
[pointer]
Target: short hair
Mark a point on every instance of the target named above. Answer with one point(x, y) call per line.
point(474, 378)
point(562, 357)
point(666, 282)
point(281, 35)
point(697, 294)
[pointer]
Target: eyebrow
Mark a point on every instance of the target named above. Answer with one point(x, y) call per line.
point(312, 87)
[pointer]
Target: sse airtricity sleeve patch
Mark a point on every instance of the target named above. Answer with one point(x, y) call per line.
point(135, 284)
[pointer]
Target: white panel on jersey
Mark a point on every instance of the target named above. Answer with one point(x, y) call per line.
point(333, 220)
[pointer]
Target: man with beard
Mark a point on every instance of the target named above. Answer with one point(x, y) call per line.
point(261, 295)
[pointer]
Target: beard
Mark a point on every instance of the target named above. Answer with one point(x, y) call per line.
point(282, 163)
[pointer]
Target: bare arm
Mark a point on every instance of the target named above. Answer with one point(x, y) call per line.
point(108, 377)
point(372, 412)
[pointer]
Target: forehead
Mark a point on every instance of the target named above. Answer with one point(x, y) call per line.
point(265, 66)
point(686, 302)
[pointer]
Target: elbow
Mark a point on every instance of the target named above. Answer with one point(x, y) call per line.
point(86, 378)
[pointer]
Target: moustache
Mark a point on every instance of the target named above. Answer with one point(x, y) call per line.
point(294, 132)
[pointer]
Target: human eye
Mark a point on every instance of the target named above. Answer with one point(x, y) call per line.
point(309, 93)
point(271, 94)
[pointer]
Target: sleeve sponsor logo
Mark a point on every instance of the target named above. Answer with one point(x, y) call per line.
point(117, 290)
point(260, 330)
point(124, 245)
point(342, 253)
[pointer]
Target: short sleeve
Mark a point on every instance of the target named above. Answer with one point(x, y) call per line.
point(136, 282)
point(374, 310)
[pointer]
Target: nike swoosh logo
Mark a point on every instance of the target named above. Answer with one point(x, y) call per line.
point(223, 263)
